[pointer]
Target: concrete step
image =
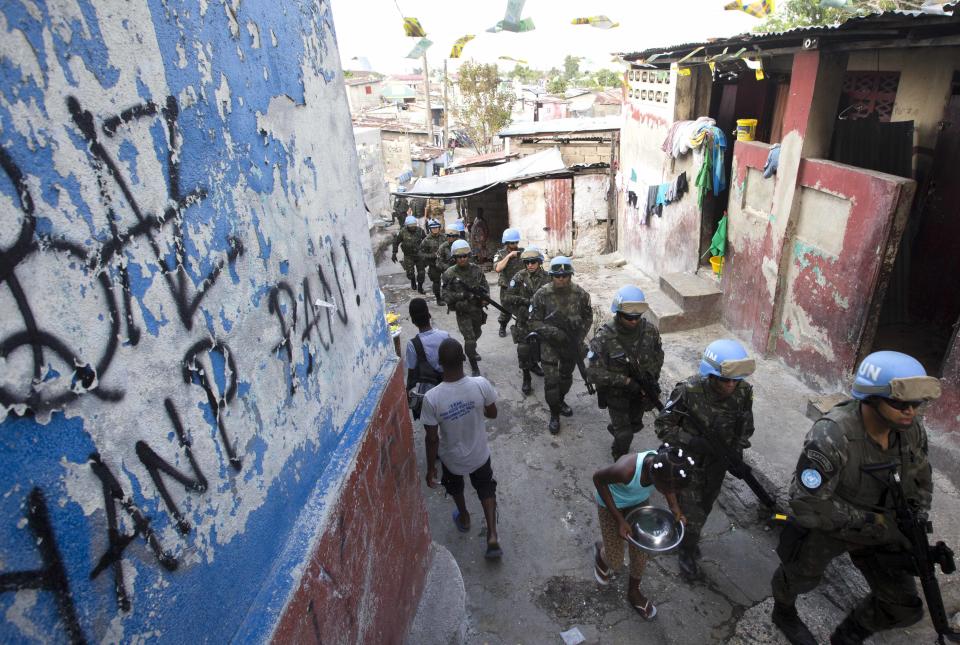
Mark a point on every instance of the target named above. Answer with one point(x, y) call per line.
point(664, 313)
point(692, 293)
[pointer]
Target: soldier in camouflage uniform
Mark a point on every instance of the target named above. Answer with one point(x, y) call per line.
point(506, 262)
point(842, 503)
point(719, 402)
point(561, 315)
point(469, 306)
point(444, 260)
point(428, 256)
point(408, 240)
point(419, 206)
point(401, 208)
point(622, 353)
point(526, 282)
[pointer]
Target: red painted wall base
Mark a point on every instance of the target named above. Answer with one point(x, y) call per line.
point(366, 574)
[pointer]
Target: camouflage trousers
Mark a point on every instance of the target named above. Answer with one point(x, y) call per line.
point(470, 324)
point(409, 263)
point(503, 318)
point(626, 420)
point(557, 380)
point(434, 272)
point(892, 603)
point(519, 333)
point(696, 502)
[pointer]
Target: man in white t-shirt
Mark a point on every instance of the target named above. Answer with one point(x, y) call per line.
point(454, 415)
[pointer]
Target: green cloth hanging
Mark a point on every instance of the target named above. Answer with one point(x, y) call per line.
point(704, 178)
point(718, 245)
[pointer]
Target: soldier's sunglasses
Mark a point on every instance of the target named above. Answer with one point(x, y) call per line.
point(532, 261)
point(903, 405)
point(631, 316)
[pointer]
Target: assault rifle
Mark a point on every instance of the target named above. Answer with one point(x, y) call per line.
point(480, 294)
point(649, 387)
point(923, 558)
point(735, 466)
point(567, 330)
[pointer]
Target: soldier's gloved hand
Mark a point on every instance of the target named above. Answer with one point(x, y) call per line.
point(882, 527)
point(394, 258)
point(699, 445)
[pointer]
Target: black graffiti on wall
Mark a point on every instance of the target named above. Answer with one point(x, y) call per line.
point(116, 196)
point(283, 304)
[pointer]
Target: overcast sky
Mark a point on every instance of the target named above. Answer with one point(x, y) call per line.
point(374, 29)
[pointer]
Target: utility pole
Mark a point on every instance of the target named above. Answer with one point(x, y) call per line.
point(426, 85)
point(446, 109)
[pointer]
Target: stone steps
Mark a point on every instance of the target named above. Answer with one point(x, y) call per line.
point(684, 301)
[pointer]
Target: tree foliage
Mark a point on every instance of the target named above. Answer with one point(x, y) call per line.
point(557, 85)
point(485, 105)
point(607, 78)
point(812, 13)
point(571, 67)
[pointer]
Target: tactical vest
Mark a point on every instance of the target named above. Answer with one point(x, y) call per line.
point(410, 241)
point(865, 491)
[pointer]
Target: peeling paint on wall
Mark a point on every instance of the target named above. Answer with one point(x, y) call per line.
point(175, 199)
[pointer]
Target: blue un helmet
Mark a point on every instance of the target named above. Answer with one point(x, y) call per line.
point(727, 359)
point(629, 300)
point(432, 223)
point(893, 375)
point(459, 248)
point(410, 221)
point(511, 235)
point(561, 265)
point(458, 226)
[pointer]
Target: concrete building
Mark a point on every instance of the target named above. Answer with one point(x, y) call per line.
point(847, 249)
point(201, 408)
point(363, 92)
point(373, 180)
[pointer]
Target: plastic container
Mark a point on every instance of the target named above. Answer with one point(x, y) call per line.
point(746, 129)
point(716, 263)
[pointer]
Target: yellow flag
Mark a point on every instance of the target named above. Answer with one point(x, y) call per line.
point(412, 28)
point(458, 46)
point(600, 22)
point(757, 9)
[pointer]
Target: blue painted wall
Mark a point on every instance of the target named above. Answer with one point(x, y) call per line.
point(191, 337)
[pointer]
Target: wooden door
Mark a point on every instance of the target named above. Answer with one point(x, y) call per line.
point(558, 204)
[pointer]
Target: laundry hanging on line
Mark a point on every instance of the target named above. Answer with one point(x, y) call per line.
point(660, 195)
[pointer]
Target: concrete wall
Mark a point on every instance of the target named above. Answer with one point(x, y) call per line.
point(925, 75)
point(574, 152)
point(669, 243)
point(195, 360)
point(528, 213)
point(590, 213)
point(360, 100)
point(809, 252)
point(372, 179)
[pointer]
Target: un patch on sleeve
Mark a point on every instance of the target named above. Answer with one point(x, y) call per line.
point(530, 308)
point(513, 283)
point(590, 355)
point(811, 479)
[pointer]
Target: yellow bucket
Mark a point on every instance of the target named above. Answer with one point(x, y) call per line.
point(746, 129)
point(716, 263)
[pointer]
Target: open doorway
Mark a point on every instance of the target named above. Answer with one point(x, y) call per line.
point(737, 93)
point(921, 308)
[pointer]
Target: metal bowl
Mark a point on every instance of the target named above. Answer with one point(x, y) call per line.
point(654, 529)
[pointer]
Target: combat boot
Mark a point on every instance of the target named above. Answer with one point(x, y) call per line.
point(475, 369)
point(786, 618)
point(536, 369)
point(420, 287)
point(689, 569)
point(554, 425)
point(565, 409)
point(849, 632)
point(413, 283)
point(526, 388)
point(503, 330)
point(436, 292)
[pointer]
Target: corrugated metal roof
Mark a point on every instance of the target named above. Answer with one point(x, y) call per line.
point(562, 126)
point(942, 15)
point(544, 163)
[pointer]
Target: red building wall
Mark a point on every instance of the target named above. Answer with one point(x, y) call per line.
point(363, 581)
